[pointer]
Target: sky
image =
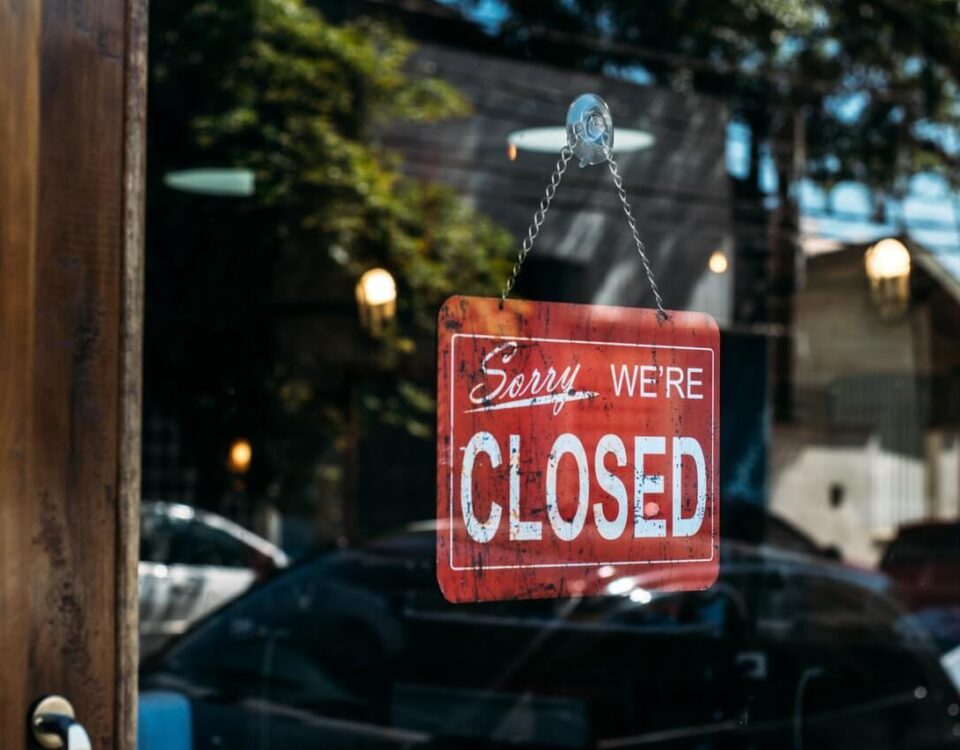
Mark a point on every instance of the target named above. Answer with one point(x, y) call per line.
point(930, 213)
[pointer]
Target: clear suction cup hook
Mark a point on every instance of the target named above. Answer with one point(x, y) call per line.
point(590, 129)
point(590, 139)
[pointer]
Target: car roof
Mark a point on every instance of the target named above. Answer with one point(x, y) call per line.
point(417, 541)
point(184, 512)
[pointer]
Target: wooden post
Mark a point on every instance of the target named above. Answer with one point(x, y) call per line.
point(72, 92)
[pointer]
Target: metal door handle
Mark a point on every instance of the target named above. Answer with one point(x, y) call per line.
point(54, 726)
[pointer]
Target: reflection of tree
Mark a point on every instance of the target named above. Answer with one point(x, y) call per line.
point(866, 79)
point(270, 86)
point(832, 90)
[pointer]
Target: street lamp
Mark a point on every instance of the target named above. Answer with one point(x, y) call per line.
point(718, 262)
point(239, 456)
point(376, 300)
point(887, 265)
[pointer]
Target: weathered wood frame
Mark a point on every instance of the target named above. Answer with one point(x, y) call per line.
point(72, 124)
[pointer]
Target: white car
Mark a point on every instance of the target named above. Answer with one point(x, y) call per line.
point(192, 562)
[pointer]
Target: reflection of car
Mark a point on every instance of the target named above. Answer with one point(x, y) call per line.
point(750, 522)
point(357, 648)
point(192, 562)
point(924, 560)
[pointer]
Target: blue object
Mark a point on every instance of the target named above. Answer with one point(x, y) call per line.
point(164, 722)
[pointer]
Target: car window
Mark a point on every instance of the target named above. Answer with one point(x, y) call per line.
point(917, 544)
point(806, 604)
point(155, 538)
point(195, 543)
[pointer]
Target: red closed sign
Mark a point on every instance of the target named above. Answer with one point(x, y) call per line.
point(576, 445)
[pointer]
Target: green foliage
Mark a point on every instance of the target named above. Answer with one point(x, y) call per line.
point(271, 86)
point(299, 101)
point(460, 249)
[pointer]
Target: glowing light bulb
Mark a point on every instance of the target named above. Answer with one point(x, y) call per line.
point(718, 262)
point(240, 456)
point(377, 287)
point(887, 265)
point(888, 259)
point(377, 300)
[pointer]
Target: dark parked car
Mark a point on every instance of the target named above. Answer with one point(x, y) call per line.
point(357, 648)
point(924, 560)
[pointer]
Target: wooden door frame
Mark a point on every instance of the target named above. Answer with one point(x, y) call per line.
point(72, 125)
point(131, 370)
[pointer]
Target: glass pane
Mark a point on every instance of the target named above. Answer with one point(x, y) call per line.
point(322, 176)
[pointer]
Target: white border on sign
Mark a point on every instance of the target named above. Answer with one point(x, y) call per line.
point(713, 456)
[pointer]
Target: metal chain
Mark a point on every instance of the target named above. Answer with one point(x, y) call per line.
point(566, 154)
point(618, 181)
point(533, 231)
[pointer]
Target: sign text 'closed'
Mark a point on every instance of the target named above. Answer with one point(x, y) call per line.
point(576, 445)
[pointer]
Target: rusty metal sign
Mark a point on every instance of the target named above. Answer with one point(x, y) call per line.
point(577, 446)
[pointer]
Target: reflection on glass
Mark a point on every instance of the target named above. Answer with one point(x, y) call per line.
point(288, 594)
point(888, 269)
point(377, 300)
